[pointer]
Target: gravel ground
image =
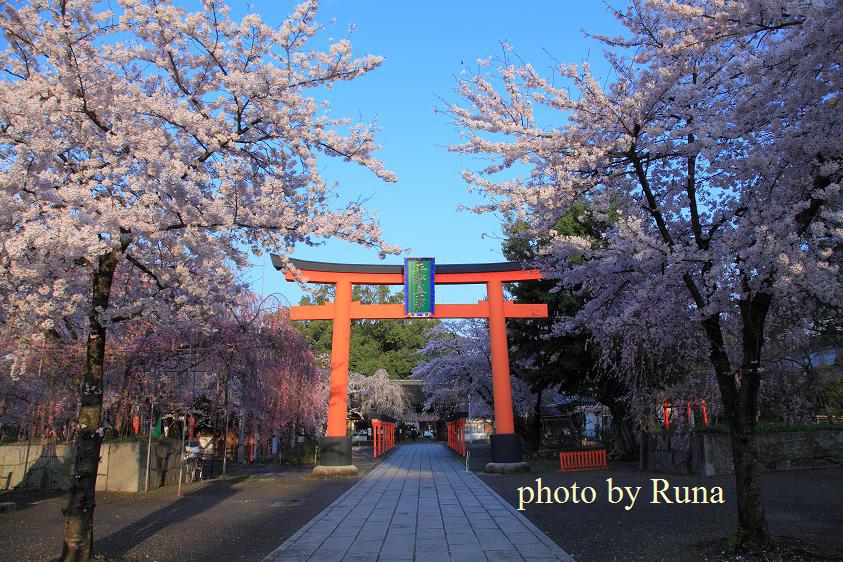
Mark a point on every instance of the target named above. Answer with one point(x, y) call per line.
point(243, 517)
point(805, 506)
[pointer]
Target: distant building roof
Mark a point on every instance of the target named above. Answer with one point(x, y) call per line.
point(413, 391)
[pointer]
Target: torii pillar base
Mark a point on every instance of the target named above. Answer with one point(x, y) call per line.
point(507, 467)
point(505, 447)
point(320, 471)
point(335, 451)
point(506, 455)
point(334, 458)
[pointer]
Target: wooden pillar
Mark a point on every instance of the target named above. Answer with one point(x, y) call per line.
point(338, 386)
point(501, 384)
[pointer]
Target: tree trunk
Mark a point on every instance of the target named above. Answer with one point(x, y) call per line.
point(537, 418)
point(752, 522)
point(740, 400)
point(622, 441)
point(125, 407)
point(79, 527)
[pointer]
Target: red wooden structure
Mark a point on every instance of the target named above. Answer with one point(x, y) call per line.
point(383, 436)
point(336, 447)
point(582, 460)
point(666, 407)
point(456, 436)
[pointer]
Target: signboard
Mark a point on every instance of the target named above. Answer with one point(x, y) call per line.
point(418, 287)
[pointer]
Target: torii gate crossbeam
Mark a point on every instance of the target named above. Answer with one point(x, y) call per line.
point(336, 446)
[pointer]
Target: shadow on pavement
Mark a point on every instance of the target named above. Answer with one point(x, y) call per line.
point(190, 505)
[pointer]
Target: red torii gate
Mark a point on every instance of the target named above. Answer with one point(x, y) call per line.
point(336, 445)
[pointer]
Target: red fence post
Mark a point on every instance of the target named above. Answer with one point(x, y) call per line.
point(462, 437)
point(704, 412)
point(582, 460)
point(375, 437)
point(459, 436)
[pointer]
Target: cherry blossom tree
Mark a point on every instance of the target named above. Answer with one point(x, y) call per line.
point(376, 394)
point(145, 151)
point(277, 388)
point(456, 372)
point(37, 397)
point(715, 148)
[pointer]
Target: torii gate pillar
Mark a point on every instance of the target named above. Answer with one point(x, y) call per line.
point(335, 453)
point(335, 447)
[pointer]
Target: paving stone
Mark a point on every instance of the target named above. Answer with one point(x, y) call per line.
point(364, 546)
point(419, 504)
point(465, 553)
point(463, 539)
point(428, 533)
point(358, 557)
point(501, 555)
point(535, 550)
point(334, 548)
point(347, 531)
point(523, 538)
point(498, 542)
point(401, 530)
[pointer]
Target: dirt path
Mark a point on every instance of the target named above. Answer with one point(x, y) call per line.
point(242, 518)
point(804, 504)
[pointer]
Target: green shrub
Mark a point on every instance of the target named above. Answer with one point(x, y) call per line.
point(302, 453)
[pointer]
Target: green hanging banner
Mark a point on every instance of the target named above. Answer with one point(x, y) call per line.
point(158, 430)
point(419, 295)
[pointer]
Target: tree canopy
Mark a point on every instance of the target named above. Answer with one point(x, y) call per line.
point(146, 151)
point(716, 141)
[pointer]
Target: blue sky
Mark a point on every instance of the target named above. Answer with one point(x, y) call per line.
point(426, 45)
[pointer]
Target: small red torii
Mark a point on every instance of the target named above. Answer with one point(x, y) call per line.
point(336, 445)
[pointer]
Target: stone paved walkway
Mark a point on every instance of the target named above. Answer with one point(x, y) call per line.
point(419, 504)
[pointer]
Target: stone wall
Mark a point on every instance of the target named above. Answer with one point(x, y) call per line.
point(121, 468)
point(709, 453)
point(44, 466)
point(677, 453)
